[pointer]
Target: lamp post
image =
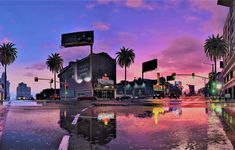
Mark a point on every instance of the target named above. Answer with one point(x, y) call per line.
point(212, 66)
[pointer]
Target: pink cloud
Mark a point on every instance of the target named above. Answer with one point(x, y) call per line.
point(184, 54)
point(29, 74)
point(37, 66)
point(5, 39)
point(190, 18)
point(127, 38)
point(218, 14)
point(139, 4)
point(101, 26)
point(73, 53)
point(135, 4)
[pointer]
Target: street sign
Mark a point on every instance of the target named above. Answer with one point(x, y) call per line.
point(149, 65)
point(77, 39)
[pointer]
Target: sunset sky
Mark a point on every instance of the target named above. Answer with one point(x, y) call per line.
point(173, 31)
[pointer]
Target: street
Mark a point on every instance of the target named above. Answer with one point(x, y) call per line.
point(187, 123)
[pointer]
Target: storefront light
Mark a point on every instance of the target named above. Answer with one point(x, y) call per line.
point(79, 81)
point(87, 79)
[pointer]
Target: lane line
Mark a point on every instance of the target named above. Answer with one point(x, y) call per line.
point(75, 120)
point(64, 144)
point(84, 109)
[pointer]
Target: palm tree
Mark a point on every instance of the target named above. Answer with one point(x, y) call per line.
point(8, 55)
point(54, 64)
point(125, 57)
point(215, 48)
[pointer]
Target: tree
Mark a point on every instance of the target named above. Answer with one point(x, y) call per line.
point(8, 55)
point(125, 57)
point(54, 64)
point(215, 48)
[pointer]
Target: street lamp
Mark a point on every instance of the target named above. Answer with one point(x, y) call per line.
point(212, 66)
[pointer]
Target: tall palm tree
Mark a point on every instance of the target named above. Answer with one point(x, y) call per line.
point(215, 48)
point(8, 55)
point(125, 57)
point(54, 64)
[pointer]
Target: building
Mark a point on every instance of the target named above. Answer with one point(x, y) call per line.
point(136, 87)
point(84, 79)
point(228, 72)
point(2, 82)
point(48, 94)
point(23, 91)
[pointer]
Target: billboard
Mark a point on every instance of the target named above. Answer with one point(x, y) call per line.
point(77, 39)
point(149, 65)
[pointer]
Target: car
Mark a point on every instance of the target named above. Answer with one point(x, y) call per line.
point(158, 94)
point(87, 98)
point(21, 98)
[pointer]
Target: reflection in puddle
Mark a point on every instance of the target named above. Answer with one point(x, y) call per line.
point(136, 127)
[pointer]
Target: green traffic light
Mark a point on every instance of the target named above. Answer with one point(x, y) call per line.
point(213, 91)
point(213, 84)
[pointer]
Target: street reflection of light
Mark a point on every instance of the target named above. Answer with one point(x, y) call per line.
point(106, 121)
point(156, 111)
point(65, 113)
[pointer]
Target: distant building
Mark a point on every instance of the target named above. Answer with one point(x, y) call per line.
point(228, 72)
point(23, 91)
point(81, 84)
point(2, 81)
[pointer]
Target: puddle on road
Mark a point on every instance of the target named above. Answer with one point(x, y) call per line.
point(226, 113)
point(119, 127)
point(137, 127)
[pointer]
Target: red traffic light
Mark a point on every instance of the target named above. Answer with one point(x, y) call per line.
point(36, 79)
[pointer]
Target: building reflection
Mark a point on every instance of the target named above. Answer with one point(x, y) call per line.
point(156, 111)
point(97, 128)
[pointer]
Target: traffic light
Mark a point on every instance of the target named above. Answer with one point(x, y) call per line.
point(213, 87)
point(174, 75)
point(36, 79)
point(193, 75)
point(169, 78)
point(51, 81)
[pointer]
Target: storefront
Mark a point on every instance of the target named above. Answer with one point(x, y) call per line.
point(104, 89)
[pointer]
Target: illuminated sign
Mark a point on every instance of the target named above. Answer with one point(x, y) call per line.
point(105, 117)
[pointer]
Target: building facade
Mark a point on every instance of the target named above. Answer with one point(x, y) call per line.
point(7, 86)
point(94, 75)
point(23, 91)
point(228, 72)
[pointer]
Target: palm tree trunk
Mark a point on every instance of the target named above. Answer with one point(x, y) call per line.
point(55, 85)
point(215, 66)
point(5, 83)
point(125, 83)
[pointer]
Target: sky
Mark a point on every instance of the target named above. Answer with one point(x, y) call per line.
point(173, 31)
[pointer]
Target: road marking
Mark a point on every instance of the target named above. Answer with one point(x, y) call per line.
point(64, 144)
point(75, 120)
point(84, 109)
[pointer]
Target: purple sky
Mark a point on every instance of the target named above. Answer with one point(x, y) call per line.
point(173, 31)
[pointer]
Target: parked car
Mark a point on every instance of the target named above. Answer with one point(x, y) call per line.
point(87, 98)
point(174, 95)
point(21, 98)
point(123, 98)
point(158, 94)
